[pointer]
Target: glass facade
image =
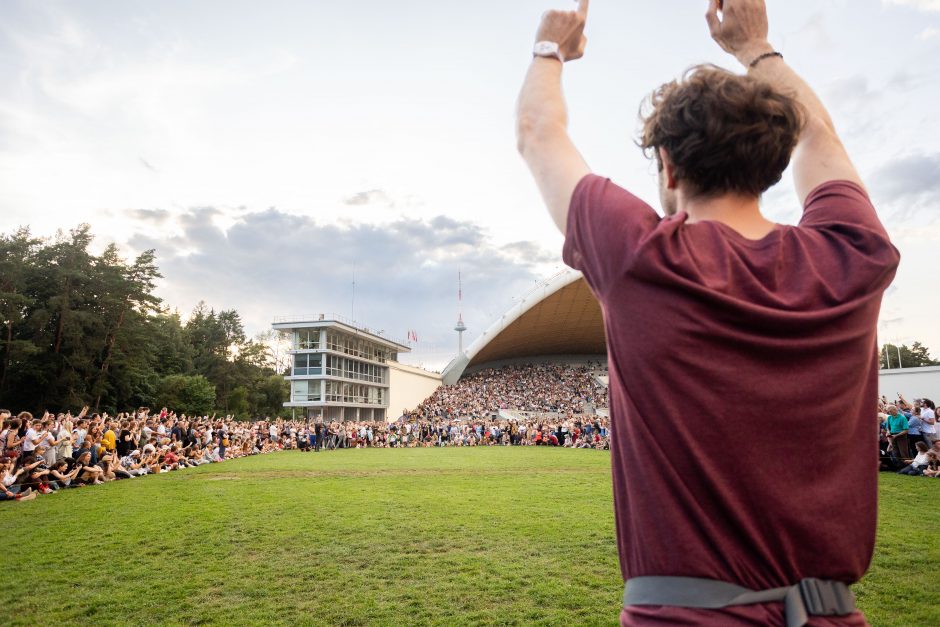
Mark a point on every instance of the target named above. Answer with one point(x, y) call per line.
point(343, 369)
point(352, 369)
point(307, 364)
point(306, 339)
point(357, 347)
point(338, 392)
point(305, 391)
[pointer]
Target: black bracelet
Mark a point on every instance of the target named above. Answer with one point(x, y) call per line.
point(766, 55)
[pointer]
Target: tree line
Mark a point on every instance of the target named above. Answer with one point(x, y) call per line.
point(904, 356)
point(85, 329)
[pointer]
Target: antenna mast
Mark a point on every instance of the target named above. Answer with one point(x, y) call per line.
point(461, 327)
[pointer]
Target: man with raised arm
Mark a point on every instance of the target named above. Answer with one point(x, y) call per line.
point(761, 521)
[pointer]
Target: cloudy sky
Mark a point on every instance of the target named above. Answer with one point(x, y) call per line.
point(274, 153)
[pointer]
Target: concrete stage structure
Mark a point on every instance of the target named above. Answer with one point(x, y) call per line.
point(559, 321)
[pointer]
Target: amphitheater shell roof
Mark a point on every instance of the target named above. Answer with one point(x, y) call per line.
point(559, 318)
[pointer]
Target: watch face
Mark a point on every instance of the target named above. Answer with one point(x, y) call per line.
point(546, 49)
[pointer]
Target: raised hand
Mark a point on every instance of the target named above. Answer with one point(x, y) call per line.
point(742, 27)
point(566, 28)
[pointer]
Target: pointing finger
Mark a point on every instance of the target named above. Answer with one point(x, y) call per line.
point(711, 16)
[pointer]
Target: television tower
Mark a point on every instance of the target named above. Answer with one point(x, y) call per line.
point(461, 327)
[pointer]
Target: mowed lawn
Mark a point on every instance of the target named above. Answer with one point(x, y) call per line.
point(394, 537)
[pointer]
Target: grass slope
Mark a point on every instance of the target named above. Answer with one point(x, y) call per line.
point(426, 536)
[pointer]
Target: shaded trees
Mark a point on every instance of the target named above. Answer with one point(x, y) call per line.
point(915, 356)
point(80, 328)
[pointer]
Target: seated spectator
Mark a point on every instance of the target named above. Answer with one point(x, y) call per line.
point(919, 463)
point(60, 476)
point(88, 473)
point(9, 480)
point(933, 464)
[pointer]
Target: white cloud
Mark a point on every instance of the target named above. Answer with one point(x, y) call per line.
point(272, 263)
point(928, 33)
point(923, 5)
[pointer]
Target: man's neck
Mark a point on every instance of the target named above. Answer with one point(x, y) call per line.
point(741, 213)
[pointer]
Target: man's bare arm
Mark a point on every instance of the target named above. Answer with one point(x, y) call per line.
point(741, 29)
point(542, 118)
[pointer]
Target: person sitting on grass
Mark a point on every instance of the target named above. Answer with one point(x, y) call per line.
point(88, 473)
point(37, 473)
point(117, 467)
point(919, 463)
point(933, 464)
point(9, 478)
point(150, 460)
point(110, 467)
point(60, 476)
point(7, 494)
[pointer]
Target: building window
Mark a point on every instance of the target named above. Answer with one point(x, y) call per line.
point(307, 364)
point(305, 391)
point(307, 339)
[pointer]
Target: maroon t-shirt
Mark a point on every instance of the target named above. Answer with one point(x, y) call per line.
point(743, 387)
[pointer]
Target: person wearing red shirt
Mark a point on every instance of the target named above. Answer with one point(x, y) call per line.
point(717, 307)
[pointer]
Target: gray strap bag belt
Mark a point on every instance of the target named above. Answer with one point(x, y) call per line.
point(810, 597)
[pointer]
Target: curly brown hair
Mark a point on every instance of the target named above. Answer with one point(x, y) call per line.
point(723, 132)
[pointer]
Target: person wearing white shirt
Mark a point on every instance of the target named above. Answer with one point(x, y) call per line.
point(33, 437)
point(919, 463)
point(49, 441)
point(64, 436)
point(928, 417)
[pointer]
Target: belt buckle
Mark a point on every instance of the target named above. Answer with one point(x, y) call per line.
point(826, 598)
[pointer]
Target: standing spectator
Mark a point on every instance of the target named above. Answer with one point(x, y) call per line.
point(109, 439)
point(10, 446)
point(223, 442)
point(34, 434)
point(49, 442)
point(914, 426)
point(897, 432)
point(928, 417)
point(64, 438)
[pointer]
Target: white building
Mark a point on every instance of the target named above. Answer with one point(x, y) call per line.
point(338, 371)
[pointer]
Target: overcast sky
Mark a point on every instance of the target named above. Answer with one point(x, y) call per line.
point(271, 152)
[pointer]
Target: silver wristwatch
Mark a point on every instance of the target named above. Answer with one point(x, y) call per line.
point(548, 49)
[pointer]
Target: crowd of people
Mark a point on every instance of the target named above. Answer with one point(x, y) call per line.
point(410, 431)
point(530, 405)
point(909, 442)
point(58, 451)
point(540, 388)
point(43, 455)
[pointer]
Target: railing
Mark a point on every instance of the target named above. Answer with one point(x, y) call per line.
point(321, 317)
point(317, 318)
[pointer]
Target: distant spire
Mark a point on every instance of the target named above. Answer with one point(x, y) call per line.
point(461, 327)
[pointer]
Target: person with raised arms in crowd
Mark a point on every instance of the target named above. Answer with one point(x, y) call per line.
point(716, 307)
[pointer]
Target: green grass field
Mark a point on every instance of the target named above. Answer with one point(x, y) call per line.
point(426, 536)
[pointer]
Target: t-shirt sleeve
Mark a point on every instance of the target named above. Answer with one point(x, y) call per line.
point(858, 247)
point(606, 226)
point(842, 205)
